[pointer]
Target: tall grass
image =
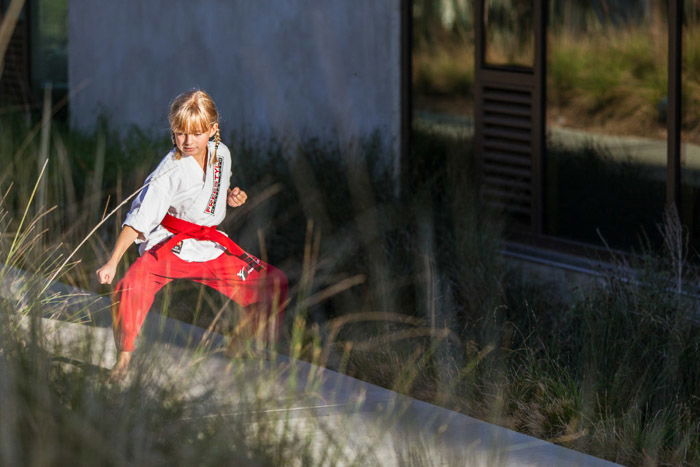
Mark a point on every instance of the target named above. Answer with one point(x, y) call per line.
point(482, 342)
point(410, 293)
point(56, 406)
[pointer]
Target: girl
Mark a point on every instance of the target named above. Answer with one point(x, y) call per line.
point(174, 220)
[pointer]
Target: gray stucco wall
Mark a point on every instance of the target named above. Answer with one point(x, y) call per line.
point(285, 68)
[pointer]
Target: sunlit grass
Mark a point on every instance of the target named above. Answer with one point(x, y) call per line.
point(409, 293)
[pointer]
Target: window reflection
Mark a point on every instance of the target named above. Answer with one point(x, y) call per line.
point(509, 34)
point(690, 199)
point(14, 82)
point(443, 67)
point(50, 42)
point(607, 85)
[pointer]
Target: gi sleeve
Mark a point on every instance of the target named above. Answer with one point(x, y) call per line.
point(152, 203)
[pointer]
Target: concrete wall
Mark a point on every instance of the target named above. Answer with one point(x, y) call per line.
point(284, 68)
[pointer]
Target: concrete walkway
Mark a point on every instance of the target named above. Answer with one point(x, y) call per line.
point(368, 424)
point(648, 151)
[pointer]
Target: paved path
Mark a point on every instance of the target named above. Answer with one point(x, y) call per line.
point(368, 424)
point(647, 151)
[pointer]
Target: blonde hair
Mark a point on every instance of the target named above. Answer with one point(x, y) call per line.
point(194, 112)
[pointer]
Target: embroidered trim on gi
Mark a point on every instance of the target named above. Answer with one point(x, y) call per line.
point(211, 205)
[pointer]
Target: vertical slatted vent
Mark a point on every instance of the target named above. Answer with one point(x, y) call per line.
point(507, 151)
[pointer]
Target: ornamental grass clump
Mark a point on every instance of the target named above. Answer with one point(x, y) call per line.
point(57, 404)
point(406, 288)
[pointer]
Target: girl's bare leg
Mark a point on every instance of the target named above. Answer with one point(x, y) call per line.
point(120, 368)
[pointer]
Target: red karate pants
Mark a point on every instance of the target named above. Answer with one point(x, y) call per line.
point(247, 280)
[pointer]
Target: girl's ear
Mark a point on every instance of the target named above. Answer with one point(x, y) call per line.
point(214, 129)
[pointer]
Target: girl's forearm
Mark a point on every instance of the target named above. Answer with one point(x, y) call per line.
point(124, 240)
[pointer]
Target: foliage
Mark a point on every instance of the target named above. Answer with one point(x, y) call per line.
point(406, 290)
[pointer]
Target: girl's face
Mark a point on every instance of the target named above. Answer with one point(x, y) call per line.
point(194, 144)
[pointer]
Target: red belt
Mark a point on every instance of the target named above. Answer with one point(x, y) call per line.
point(183, 229)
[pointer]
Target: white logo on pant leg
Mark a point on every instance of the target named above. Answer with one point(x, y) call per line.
point(253, 264)
point(244, 272)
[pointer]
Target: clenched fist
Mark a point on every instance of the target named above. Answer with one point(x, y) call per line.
point(236, 197)
point(106, 273)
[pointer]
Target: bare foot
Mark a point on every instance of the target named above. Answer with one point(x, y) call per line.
point(120, 368)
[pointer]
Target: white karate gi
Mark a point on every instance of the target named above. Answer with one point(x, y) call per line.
point(180, 188)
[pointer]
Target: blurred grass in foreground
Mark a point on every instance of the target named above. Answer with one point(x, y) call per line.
point(409, 293)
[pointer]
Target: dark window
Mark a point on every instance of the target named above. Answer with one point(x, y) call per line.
point(49, 43)
point(14, 84)
point(690, 200)
point(605, 173)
